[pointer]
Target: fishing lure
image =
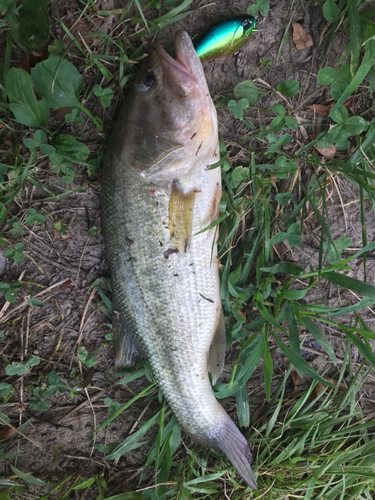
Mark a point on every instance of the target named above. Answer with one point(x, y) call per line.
point(225, 38)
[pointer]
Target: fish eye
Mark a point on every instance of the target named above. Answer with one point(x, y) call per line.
point(146, 82)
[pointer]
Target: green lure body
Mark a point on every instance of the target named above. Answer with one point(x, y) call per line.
point(225, 38)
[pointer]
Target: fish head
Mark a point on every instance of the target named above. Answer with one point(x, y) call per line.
point(174, 113)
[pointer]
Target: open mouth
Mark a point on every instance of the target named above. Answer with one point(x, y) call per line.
point(178, 73)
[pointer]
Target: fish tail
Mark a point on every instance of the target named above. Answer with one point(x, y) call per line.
point(231, 442)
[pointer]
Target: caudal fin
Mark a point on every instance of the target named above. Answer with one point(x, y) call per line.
point(234, 445)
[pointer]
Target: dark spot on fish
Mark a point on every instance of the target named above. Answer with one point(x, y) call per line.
point(175, 275)
point(200, 145)
point(129, 241)
point(205, 298)
point(169, 252)
point(156, 203)
point(191, 264)
point(160, 243)
point(131, 258)
point(192, 137)
point(196, 191)
point(186, 244)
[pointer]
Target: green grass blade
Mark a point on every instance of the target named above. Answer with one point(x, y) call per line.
point(123, 408)
point(355, 35)
point(320, 337)
point(299, 363)
point(133, 441)
point(293, 330)
point(267, 369)
point(358, 78)
point(362, 348)
point(243, 409)
point(28, 478)
point(350, 284)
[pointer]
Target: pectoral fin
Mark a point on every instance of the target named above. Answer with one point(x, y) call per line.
point(216, 357)
point(214, 212)
point(181, 206)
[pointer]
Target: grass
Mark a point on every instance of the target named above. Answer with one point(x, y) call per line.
point(319, 448)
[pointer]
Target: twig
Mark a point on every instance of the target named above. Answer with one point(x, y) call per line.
point(82, 324)
point(82, 405)
point(94, 417)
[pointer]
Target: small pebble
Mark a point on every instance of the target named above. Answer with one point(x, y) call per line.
point(316, 345)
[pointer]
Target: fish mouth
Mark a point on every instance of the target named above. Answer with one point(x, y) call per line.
point(181, 73)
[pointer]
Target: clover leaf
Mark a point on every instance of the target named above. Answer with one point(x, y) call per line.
point(33, 217)
point(105, 95)
point(238, 108)
point(335, 252)
point(10, 291)
point(15, 253)
point(288, 88)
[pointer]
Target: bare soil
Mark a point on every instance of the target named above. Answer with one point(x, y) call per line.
point(63, 268)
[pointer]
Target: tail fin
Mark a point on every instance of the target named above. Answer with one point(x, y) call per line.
point(234, 445)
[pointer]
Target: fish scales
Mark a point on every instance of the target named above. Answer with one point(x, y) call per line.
point(158, 192)
point(164, 300)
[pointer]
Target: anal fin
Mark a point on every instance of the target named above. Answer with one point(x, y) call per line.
point(127, 350)
point(181, 206)
point(216, 356)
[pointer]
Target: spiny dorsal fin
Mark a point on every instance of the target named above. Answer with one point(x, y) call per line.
point(181, 206)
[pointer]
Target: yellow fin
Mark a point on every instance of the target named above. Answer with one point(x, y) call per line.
point(216, 356)
point(214, 212)
point(181, 207)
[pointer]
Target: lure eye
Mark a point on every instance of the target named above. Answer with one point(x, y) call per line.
point(146, 83)
point(248, 25)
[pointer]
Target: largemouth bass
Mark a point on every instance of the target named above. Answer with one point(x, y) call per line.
point(157, 194)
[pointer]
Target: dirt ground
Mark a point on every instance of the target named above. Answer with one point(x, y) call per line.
point(58, 441)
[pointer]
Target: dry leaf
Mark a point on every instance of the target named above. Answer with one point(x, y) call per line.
point(301, 39)
point(295, 377)
point(6, 432)
point(6, 144)
point(320, 109)
point(80, 31)
point(319, 388)
point(324, 109)
point(62, 112)
point(31, 60)
point(327, 152)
